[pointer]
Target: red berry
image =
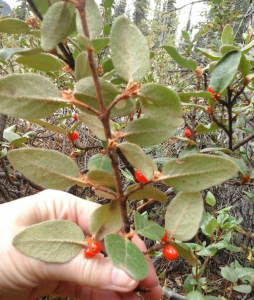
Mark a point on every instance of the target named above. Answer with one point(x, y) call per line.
point(95, 247)
point(75, 117)
point(170, 252)
point(88, 253)
point(210, 90)
point(187, 133)
point(165, 236)
point(140, 177)
point(72, 136)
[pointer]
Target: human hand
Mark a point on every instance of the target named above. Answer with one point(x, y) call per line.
point(25, 278)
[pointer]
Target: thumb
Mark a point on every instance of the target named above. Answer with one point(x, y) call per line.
point(96, 272)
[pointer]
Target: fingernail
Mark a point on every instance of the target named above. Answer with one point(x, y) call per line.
point(120, 278)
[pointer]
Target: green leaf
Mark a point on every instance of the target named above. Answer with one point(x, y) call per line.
point(105, 220)
point(43, 5)
point(183, 62)
point(197, 172)
point(100, 162)
point(210, 199)
point(48, 168)
point(211, 226)
point(102, 178)
point(227, 35)
point(55, 241)
point(212, 298)
point(189, 150)
point(10, 136)
point(225, 71)
point(185, 252)
point(126, 256)
point(82, 68)
point(56, 23)
point(137, 157)
point(248, 47)
point(147, 132)
point(149, 229)
point(19, 142)
point(201, 128)
point(186, 96)
point(243, 288)
point(161, 104)
point(251, 196)
point(148, 192)
point(85, 91)
point(7, 53)
point(185, 35)
point(99, 44)
point(106, 30)
point(229, 274)
point(194, 296)
point(209, 53)
point(94, 123)
point(108, 3)
point(48, 126)
point(93, 18)
point(42, 62)
point(29, 96)
point(131, 58)
point(244, 66)
point(108, 66)
point(183, 216)
point(14, 26)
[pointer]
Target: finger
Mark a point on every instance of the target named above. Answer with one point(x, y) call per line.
point(51, 205)
point(97, 272)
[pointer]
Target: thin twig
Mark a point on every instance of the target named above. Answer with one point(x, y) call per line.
point(242, 142)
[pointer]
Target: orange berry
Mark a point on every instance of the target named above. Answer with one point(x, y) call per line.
point(140, 177)
point(187, 133)
point(170, 252)
point(165, 237)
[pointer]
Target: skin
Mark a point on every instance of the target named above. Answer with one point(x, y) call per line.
point(25, 278)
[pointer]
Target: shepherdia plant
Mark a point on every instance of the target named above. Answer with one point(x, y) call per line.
point(33, 97)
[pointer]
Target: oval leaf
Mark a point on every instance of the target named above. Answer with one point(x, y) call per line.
point(105, 220)
point(148, 192)
point(161, 104)
point(131, 58)
point(243, 288)
point(48, 168)
point(183, 216)
point(86, 92)
point(48, 126)
point(55, 241)
point(194, 296)
point(28, 96)
point(14, 26)
point(56, 24)
point(197, 172)
point(100, 162)
point(227, 35)
point(185, 252)
point(93, 18)
point(126, 256)
point(137, 157)
point(183, 62)
point(149, 229)
point(147, 132)
point(225, 71)
point(94, 123)
point(7, 53)
point(82, 68)
point(102, 178)
point(185, 97)
point(42, 62)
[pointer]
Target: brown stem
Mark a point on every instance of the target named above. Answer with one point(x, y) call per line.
point(104, 117)
point(126, 162)
point(242, 142)
point(220, 124)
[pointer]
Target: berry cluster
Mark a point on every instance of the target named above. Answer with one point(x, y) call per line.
point(92, 249)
